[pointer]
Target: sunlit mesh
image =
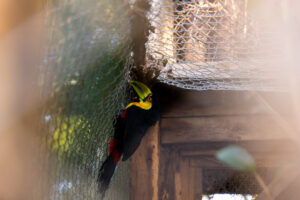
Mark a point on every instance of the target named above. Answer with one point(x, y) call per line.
point(83, 77)
point(210, 44)
point(229, 181)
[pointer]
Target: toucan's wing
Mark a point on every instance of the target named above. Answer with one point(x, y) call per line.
point(119, 127)
point(135, 129)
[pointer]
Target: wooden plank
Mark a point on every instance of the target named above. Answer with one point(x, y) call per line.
point(188, 181)
point(178, 186)
point(168, 167)
point(255, 147)
point(181, 180)
point(191, 182)
point(220, 129)
point(144, 168)
point(206, 162)
point(206, 103)
point(155, 161)
point(187, 177)
point(262, 160)
point(198, 183)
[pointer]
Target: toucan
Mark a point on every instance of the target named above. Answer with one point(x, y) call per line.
point(129, 128)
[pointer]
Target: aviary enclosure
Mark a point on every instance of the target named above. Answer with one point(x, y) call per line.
point(226, 73)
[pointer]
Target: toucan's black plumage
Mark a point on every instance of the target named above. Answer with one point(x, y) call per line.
point(130, 127)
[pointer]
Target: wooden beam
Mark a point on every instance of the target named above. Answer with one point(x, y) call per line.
point(280, 147)
point(198, 183)
point(140, 27)
point(178, 186)
point(262, 160)
point(168, 168)
point(144, 168)
point(187, 179)
point(220, 129)
point(206, 103)
point(207, 162)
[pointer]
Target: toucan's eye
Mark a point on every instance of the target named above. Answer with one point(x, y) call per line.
point(150, 98)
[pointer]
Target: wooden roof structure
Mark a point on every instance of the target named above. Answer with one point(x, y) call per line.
point(176, 160)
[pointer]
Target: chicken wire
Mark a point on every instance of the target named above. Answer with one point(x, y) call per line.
point(229, 181)
point(83, 78)
point(212, 45)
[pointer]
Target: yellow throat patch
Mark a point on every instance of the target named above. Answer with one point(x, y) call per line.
point(144, 105)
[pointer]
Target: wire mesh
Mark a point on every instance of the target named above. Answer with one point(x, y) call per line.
point(234, 182)
point(212, 45)
point(83, 76)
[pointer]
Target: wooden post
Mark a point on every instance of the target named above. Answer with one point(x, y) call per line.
point(145, 161)
point(198, 183)
point(168, 168)
point(140, 30)
point(187, 175)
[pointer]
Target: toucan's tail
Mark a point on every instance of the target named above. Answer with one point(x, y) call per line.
point(105, 173)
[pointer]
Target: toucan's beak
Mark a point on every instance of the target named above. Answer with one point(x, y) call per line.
point(141, 89)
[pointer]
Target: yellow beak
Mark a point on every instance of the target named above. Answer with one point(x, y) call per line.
point(141, 89)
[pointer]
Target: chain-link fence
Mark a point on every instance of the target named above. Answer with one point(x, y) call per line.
point(213, 45)
point(83, 77)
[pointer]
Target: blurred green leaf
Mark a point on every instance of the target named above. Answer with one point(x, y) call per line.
point(237, 158)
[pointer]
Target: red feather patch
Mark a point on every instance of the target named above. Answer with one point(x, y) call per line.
point(112, 145)
point(114, 152)
point(124, 114)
